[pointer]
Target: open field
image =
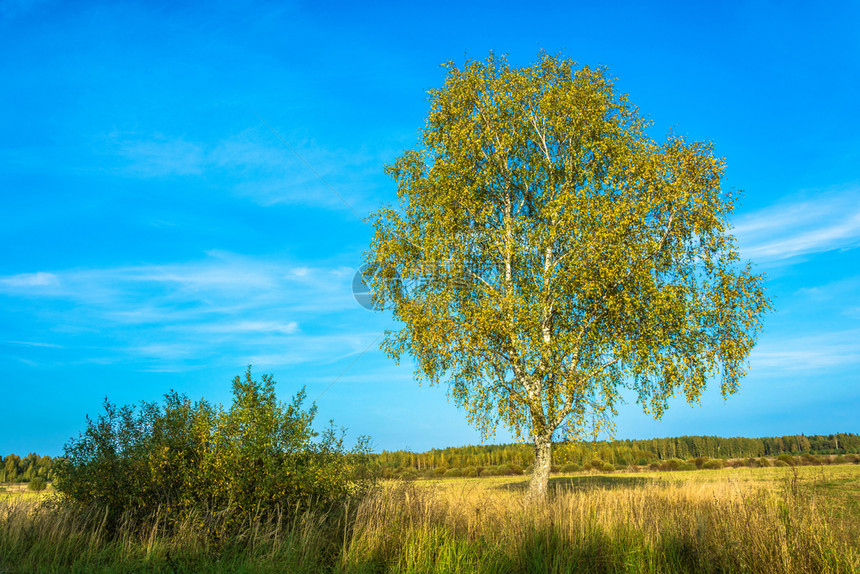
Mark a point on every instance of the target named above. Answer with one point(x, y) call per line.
point(731, 520)
point(20, 491)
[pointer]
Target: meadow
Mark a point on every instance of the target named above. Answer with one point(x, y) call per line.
point(770, 520)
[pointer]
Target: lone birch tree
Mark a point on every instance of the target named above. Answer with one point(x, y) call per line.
point(547, 254)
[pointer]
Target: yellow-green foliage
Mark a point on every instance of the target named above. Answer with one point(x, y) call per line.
point(547, 253)
point(186, 456)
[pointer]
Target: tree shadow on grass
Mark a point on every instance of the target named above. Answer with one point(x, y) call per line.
point(582, 482)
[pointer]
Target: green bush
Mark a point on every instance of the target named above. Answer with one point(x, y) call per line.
point(607, 467)
point(780, 463)
point(504, 470)
point(764, 462)
point(810, 459)
point(470, 472)
point(571, 467)
point(488, 471)
point(671, 464)
point(699, 461)
point(256, 456)
point(453, 473)
point(516, 469)
point(37, 484)
point(688, 466)
point(714, 464)
point(787, 459)
point(440, 471)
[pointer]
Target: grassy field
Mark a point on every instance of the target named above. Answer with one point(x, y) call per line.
point(778, 520)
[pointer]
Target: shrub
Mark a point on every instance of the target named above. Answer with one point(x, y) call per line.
point(516, 469)
point(764, 462)
point(488, 471)
point(687, 466)
point(408, 474)
point(654, 466)
point(607, 467)
point(453, 473)
point(504, 470)
point(529, 469)
point(37, 484)
point(671, 464)
point(258, 455)
point(839, 459)
point(554, 469)
point(787, 459)
point(810, 459)
point(714, 464)
point(470, 472)
point(429, 473)
point(570, 467)
point(700, 461)
point(440, 471)
point(780, 463)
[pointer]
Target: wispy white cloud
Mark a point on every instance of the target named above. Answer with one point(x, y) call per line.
point(173, 316)
point(840, 291)
point(267, 327)
point(812, 353)
point(222, 280)
point(795, 229)
point(34, 344)
point(255, 165)
point(24, 280)
point(320, 349)
point(169, 351)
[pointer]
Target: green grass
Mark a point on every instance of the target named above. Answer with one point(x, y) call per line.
point(769, 520)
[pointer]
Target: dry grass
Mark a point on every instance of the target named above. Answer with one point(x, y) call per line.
point(742, 520)
point(672, 522)
point(19, 490)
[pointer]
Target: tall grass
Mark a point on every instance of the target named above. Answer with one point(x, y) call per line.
point(624, 525)
point(721, 527)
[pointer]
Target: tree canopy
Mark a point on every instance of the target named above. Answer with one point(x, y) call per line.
point(546, 254)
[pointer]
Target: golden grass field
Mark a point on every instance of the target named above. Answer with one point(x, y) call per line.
point(771, 520)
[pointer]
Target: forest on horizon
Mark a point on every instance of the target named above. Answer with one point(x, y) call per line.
point(619, 453)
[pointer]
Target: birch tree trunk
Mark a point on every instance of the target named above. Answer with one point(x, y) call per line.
point(542, 465)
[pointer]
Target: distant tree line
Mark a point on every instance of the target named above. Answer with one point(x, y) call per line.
point(14, 468)
point(621, 452)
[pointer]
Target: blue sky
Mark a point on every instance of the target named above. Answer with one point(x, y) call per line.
point(182, 193)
